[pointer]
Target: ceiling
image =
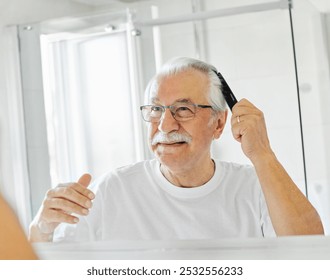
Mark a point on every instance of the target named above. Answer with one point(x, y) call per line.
point(321, 5)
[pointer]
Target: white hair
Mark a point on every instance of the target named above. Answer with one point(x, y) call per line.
point(180, 64)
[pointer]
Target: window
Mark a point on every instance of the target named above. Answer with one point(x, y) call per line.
point(88, 105)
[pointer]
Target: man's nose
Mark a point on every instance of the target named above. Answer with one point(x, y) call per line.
point(168, 123)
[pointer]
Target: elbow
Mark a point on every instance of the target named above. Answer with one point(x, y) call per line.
point(306, 225)
point(317, 229)
point(314, 225)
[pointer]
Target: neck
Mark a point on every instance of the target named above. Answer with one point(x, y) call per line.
point(190, 178)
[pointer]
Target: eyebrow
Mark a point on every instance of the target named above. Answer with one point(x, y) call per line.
point(155, 100)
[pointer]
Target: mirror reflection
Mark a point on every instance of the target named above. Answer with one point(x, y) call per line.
point(83, 80)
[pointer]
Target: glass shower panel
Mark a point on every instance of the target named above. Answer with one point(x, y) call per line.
point(254, 53)
point(311, 30)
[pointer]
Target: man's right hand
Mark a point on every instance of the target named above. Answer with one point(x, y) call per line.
point(59, 206)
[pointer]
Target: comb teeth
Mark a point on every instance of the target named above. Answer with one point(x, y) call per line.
point(226, 91)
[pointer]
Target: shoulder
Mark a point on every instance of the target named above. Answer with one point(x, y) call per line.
point(236, 168)
point(125, 173)
point(134, 168)
point(242, 177)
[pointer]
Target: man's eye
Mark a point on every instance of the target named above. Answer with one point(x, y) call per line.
point(183, 109)
point(156, 108)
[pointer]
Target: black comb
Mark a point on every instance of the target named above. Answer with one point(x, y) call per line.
point(227, 92)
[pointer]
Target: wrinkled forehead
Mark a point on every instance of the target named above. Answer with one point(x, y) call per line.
point(179, 101)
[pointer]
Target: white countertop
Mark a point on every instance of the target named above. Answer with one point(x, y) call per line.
point(279, 248)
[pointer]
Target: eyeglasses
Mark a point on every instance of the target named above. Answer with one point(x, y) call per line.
point(180, 111)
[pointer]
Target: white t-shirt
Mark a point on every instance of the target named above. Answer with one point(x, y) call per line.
point(137, 202)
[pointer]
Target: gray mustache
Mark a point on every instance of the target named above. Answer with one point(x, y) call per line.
point(168, 138)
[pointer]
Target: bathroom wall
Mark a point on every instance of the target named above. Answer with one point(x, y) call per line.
point(15, 12)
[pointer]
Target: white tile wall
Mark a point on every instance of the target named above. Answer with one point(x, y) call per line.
point(177, 41)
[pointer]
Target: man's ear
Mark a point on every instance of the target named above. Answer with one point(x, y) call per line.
point(220, 121)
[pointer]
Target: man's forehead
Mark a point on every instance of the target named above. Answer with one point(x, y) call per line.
point(156, 100)
point(186, 86)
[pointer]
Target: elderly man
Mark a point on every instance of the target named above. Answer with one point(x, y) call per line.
point(184, 193)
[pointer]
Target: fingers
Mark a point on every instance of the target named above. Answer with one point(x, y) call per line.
point(249, 128)
point(62, 205)
point(85, 180)
point(74, 191)
point(66, 200)
point(53, 216)
point(67, 206)
point(239, 113)
point(243, 110)
point(71, 198)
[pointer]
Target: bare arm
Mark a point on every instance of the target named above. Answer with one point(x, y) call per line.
point(59, 206)
point(13, 242)
point(291, 213)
